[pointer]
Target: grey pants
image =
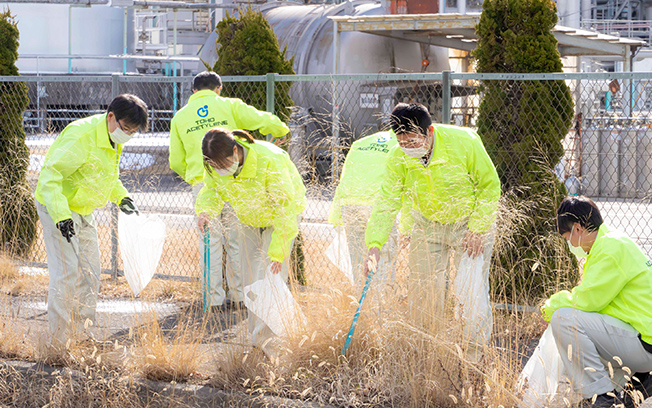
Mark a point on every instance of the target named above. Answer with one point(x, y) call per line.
point(355, 219)
point(254, 243)
point(595, 341)
point(435, 249)
point(223, 231)
point(74, 283)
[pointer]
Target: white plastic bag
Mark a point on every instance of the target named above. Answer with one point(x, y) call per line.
point(338, 253)
point(542, 373)
point(141, 239)
point(271, 300)
point(472, 296)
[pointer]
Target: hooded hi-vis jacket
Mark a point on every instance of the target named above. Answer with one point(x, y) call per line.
point(268, 191)
point(80, 172)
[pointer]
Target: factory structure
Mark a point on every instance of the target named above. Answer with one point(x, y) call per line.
point(168, 38)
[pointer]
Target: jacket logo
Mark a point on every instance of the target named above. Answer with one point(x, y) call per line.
point(382, 139)
point(203, 111)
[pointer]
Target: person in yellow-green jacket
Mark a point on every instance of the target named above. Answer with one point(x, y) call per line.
point(361, 177)
point(444, 173)
point(207, 109)
point(80, 173)
point(603, 326)
point(268, 196)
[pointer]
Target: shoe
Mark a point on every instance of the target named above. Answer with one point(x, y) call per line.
point(643, 385)
point(601, 401)
point(217, 308)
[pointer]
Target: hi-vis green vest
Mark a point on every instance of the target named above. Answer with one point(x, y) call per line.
point(80, 172)
point(460, 182)
point(268, 191)
point(206, 110)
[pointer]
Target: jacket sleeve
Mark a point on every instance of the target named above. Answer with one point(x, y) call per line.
point(68, 156)
point(386, 205)
point(601, 283)
point(249, 118)
point(208, 199)
point(286, 224)
point(406, 220)
point(177, 151)
point(119, 192)
point(487, 184)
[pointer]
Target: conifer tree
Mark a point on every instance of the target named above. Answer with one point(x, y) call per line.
point(17, 210)
point(522, 124)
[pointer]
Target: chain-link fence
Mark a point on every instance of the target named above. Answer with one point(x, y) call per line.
point(608, 144)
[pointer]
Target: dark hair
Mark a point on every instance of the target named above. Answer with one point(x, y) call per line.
point(218, 144)
point(130, 108)
point(581, 210)
point(410, 117)
point(206, 80)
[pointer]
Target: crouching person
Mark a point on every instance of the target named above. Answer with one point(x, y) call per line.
point(80, 174)
point(604, 323)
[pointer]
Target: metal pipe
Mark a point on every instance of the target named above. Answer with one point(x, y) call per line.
point(175, 5)
point(124, 42)
point(69, 39)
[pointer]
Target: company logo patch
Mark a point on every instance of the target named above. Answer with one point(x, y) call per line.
point(382, 139)
point(203, 111)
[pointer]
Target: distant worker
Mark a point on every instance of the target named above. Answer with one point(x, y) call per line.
point(603, 326)
point(362, 175)
point(205, 110)
point(614, 88)
point(268, 196)
point(444, 173)
point(80, 174)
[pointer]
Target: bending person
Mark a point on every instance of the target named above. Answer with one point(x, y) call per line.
point(444, 173)
point(205, 110)
point(607, 318)
point(267, 195)
point(80, 174)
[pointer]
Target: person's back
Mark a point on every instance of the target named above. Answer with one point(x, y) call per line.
point(205, 110)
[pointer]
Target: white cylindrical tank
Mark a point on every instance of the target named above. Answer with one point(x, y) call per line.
point(45, 30)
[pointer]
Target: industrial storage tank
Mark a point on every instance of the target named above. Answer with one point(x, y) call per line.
point(58, 30)
point(363, 106)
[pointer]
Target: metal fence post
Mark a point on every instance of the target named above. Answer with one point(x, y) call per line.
point(270, 96)
point(115, 91)
point(446, 97)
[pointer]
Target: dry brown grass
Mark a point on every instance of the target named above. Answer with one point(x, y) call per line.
point(161, 358)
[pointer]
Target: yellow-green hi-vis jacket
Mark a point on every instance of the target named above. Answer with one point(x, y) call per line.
point(362, 175)
point(460, 182)
point(206, 110)
point(80, 172)
point(616, 281)
point(268, 192)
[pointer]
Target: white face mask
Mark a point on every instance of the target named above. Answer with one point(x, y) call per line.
point(229, 170)
point(118, 136)
point(416, 152)
point(578, 251)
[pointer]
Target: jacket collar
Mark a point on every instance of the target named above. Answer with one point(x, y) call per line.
point(102, 133)
point(251, 161)
point(440, 153)
point(201, 94)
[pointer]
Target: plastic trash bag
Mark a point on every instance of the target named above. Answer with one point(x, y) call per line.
point(271, 300)
point(338, 253)
point(141, 239)
point(473, 303)
point(542, 373)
